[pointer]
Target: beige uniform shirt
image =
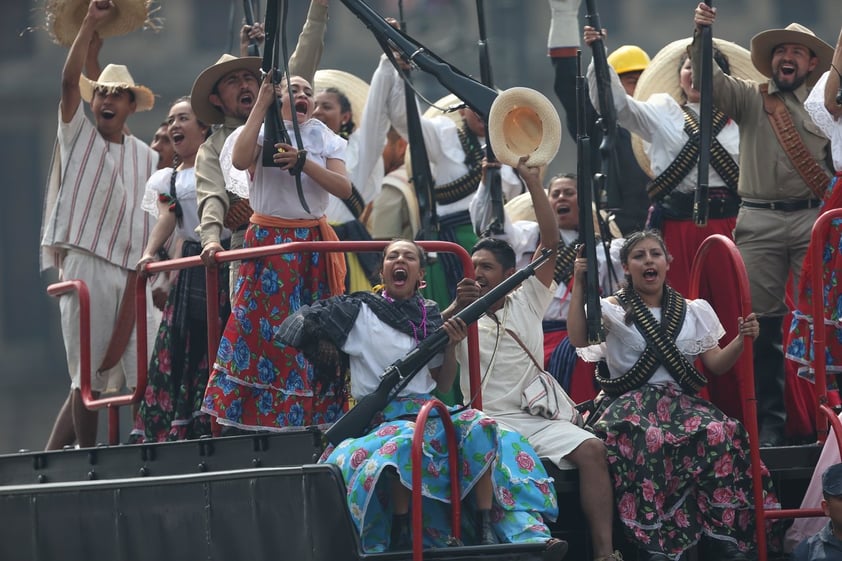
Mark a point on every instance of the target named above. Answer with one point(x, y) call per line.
point(766, 172)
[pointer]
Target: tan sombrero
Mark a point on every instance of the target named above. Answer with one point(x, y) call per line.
point(447, 107)
point(662, 77)
point(353, 87)
point(64, 18)
point(203, 86)
point(765, 42)
point(117, 77)
point(523, 122)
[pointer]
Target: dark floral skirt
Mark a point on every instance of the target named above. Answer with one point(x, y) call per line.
point(178, 371)
point(681, 469)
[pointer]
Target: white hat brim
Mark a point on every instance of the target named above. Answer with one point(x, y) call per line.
point(523, 122)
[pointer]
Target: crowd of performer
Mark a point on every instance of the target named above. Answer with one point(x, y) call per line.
point(247, 160)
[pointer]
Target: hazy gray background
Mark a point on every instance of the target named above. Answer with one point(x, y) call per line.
point(33, 377)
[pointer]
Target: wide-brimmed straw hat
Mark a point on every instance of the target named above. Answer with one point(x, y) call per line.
point(353, 87)
point(64, 18)
point(205, 82)
point(662, 76)
point(116, 77)
point(523, 122)
point(765, 42)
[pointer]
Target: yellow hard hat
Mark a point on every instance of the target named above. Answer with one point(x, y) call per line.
point(628, 58)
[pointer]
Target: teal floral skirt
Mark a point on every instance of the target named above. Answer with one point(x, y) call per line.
point(524, 493)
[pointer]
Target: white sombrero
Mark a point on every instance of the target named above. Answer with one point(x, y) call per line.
point(765, 42)
point(116, 77)
point(662, 76)
point(523, 122)
point(64, 18)
point(353, 87)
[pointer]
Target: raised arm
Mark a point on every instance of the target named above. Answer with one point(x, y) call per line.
point(831, 88)
point(720, 359)
point(77, 56)
point(547, 223)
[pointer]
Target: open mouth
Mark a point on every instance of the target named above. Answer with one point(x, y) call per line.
point(562, 210)
point(301, 107)
point(787, 69)
point(400, 276)
point(108, 114)
point(246, 99)
point(650, 274)
point(177, 137)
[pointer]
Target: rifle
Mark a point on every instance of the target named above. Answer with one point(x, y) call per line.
point(354, 423)
point(608, 114)
point(492, 173)
point(274, 128)
point(700, 199)
point(478, 96)
point(585, 193)
point(248, 13)
point(422, 177)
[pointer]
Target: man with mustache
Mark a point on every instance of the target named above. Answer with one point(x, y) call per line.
point(224, 94)
point(781, 185)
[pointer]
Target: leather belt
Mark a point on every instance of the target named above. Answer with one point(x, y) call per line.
point(784, 206)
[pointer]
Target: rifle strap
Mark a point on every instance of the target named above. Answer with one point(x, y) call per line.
point(355, 203)
point(688, 157)
point(660, 345)
point(461, 187)
point(810, 171)
point(123, 326)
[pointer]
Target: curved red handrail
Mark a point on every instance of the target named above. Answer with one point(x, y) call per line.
point(744, 365)
point(417, 459)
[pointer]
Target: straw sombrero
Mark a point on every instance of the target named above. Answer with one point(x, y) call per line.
point(353, 87)
point(64, 18)
point(523, 122)
point(662, 77)
point(117, 77)
point(205, 82)
point(765, 42)
point(442, 108)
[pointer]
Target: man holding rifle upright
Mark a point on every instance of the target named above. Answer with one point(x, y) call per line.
point(781, 185)
point(511, 357)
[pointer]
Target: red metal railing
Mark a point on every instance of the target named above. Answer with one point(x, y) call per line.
point(824, 414)
point(417, 462)
point(113, 403)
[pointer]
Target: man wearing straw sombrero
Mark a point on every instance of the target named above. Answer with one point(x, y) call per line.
point(93, 226)
point(223, 94)
point(783, 175)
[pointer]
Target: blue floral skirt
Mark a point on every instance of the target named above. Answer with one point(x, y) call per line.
point(523, 492)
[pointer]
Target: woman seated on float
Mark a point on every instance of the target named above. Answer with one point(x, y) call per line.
point(680, 467)
point(512, 492)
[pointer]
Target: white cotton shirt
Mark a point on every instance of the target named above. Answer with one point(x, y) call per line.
point(659, 122)
point(824, 120)
point(624, 344)
point(272, 191)
point(372, 346)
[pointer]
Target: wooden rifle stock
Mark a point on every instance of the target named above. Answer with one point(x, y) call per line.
point(608, 113)
point(492, 173)
point(354, 423)
point(585, 193)
point(705, 87)
point(422, 177)
point(248, 13)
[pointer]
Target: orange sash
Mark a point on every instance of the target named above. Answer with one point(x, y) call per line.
point(335, 260)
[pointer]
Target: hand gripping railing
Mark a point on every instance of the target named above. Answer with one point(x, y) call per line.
point(112, 403)
point(417, 469)
point(212, 280)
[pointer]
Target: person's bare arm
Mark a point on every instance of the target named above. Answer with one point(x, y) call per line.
point(720, 359)
point(547, 224)
point(98, 10)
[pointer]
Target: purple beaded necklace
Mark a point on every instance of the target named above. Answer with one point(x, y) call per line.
point(415, 328)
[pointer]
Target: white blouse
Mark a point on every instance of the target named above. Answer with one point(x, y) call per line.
point(185, 192)
point(624, 343)
point(824, 120)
